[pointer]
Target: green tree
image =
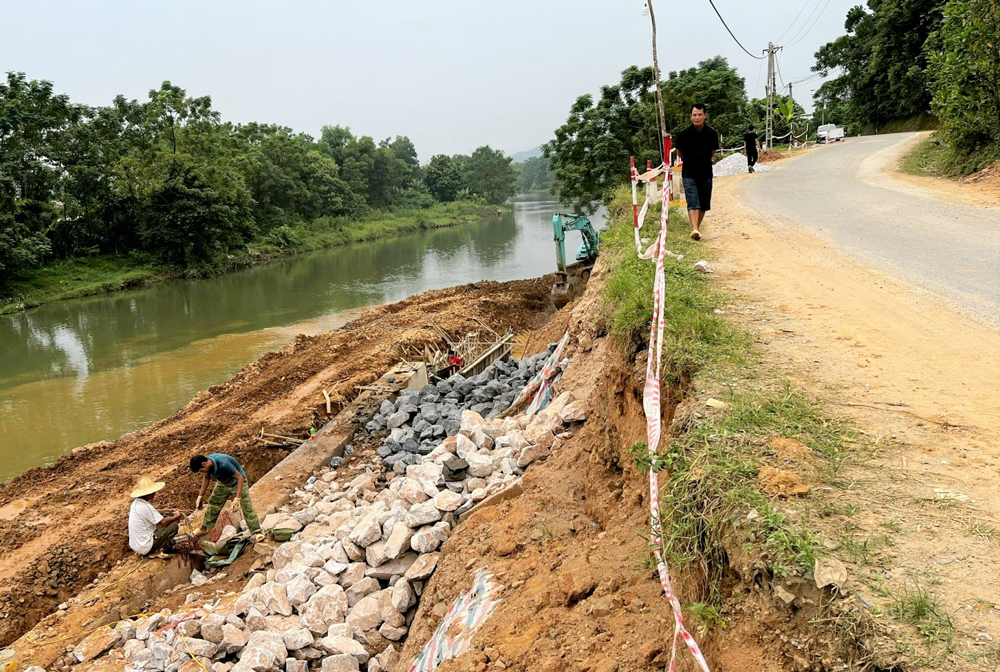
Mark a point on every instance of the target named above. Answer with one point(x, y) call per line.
point(489, 175)
point(590, 151)
point(190, 220)
point(965, 79)
point(535, 175)
point(443, 178)
point(883, 60)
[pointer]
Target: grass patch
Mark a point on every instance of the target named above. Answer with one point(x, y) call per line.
point(695, 335)
point(81, 276)
point(935, 157)
point(708, 473)
point(922, 609)
point(86, 276)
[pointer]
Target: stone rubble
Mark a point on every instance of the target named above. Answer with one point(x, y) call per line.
point(344, 590)
point(736, 164)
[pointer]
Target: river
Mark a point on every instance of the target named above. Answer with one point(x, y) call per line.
point(78, 371)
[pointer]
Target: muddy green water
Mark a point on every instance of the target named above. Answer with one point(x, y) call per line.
point(75, 372)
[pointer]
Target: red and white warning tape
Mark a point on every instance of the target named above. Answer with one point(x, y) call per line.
point(649, 178)
point(651, 407)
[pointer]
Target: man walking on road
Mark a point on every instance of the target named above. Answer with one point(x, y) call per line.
point(696, 145)
point(230, 480)
point(752, 143)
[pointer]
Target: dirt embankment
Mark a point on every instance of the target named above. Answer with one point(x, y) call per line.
point(62, 526)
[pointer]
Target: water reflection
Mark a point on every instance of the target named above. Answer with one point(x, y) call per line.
point(79, 371)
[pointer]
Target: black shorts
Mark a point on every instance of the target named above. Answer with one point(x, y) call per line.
point(698, 193)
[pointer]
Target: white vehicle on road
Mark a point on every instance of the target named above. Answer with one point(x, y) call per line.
point(829, 133)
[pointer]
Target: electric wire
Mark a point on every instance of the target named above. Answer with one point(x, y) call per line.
point(796, 19)
point(712, 2)
point(818, 17)
point(806, 22)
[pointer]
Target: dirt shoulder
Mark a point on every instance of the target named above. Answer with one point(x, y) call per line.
point(920, 381)
point(884, 168)
point(63, 526)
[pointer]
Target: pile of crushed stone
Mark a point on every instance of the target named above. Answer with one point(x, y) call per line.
point(735, 164)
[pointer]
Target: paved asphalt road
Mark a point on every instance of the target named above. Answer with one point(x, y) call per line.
point(841, 192)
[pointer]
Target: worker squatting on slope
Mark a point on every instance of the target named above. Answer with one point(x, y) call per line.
point(696, 145)
point(150, 529)
point(230, 481)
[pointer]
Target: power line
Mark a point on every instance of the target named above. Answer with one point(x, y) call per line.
point(712, 2)
point(796, 18)
point(818, 17)
point(806, 22)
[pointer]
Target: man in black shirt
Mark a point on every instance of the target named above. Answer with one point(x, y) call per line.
point(752, 143)
point(696, 145)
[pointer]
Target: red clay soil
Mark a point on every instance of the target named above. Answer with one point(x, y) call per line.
point(570, 554)
point(71, 525)
point(578, 592)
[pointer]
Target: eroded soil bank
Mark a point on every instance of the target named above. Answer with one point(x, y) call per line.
point(60, 527)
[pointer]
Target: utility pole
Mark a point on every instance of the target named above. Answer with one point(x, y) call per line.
point(769, 127)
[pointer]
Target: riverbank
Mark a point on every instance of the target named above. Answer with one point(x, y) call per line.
point(582, 516)
point(100, 274)
point(85, 494)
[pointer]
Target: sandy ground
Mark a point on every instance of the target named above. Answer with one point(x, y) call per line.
point(60, 527)
point(920, 380)
point(974, 190)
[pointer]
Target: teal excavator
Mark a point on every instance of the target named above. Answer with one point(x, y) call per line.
point(586, 254)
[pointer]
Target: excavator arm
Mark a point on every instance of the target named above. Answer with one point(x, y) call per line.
point(562, 292)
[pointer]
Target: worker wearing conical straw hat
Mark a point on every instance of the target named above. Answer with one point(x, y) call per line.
point(150, 529)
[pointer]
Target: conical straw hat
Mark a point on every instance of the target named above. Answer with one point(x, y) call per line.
point(146, 486)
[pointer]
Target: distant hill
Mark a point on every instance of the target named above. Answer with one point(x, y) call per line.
point(527, 154)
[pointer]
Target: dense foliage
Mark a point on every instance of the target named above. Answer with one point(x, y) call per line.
point(167, 177)
point(535, 175)
point(883, 58)
point(965, 80)
point(589, 152)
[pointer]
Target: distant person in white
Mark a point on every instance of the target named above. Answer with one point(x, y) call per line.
point(150, 529)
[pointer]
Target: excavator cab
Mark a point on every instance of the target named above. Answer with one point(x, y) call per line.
point(586, 254)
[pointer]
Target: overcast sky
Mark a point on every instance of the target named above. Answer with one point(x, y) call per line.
point(452, 75)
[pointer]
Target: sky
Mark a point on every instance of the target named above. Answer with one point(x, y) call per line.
point(452, 75)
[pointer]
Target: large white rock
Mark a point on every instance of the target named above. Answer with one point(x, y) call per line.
point(270, 644)
point(335, 567)
point(480, 466)
point(326, 607)
point(422, 567)
point(471, 421)
point(147, 627)
point(375, 554)
point(464, 446)
point(366, 532)
point(199, 647)
point(355, 552)
point(361, 589)
point(340, 663)
point(299, 590)
point(392, 568)
point(388, 658)
point(345, 645)
point(388, 612)
point(412, 491)
point(573, 412)
point(402, 596)
point(96, 643)
point(539, 435)
point(393, 633)
point(211, 627)
point(365, 615)
point(398, 541)
point(530, 454)
point(429, 538)
point(233, 638)
point(297, 638)
point(446, 500)
point(482, 440)
point(422, 514)
point(354, 573)
point(274, 597)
